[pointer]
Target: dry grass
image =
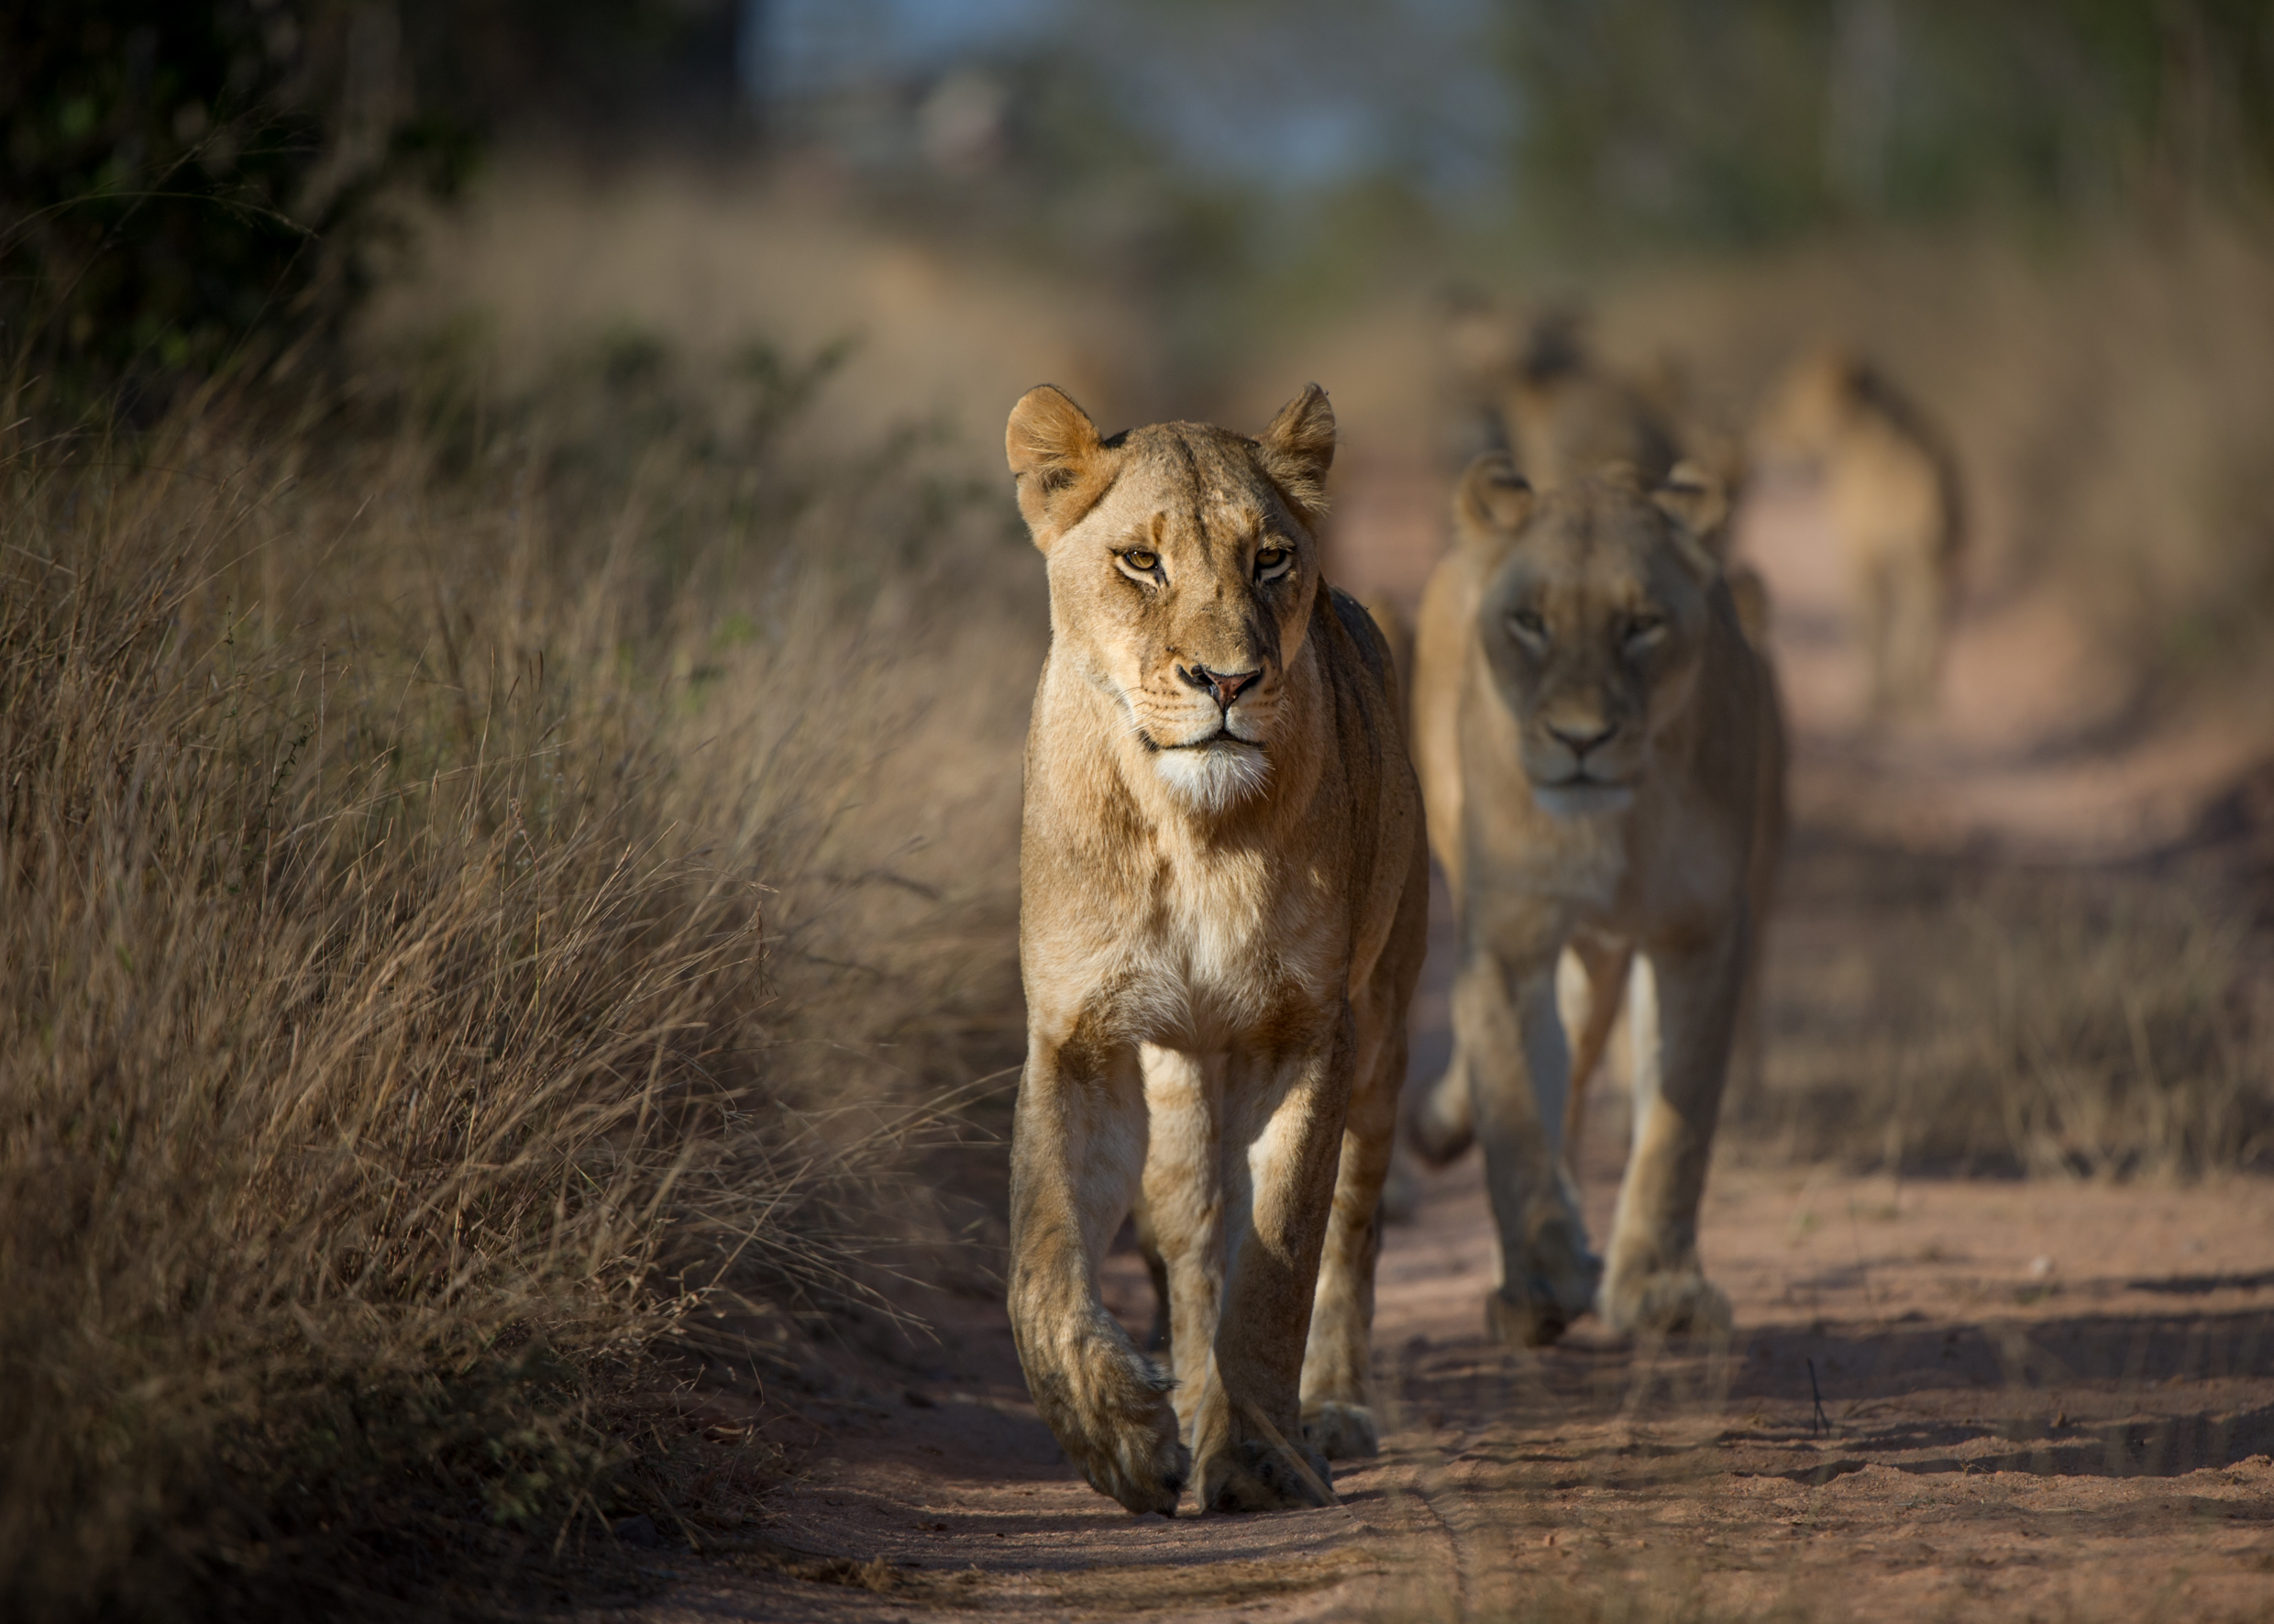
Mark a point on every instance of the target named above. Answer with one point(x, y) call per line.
point(484, 897)
point(1934, 1015)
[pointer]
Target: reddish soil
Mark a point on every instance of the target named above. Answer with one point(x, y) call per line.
point(2041, 1399)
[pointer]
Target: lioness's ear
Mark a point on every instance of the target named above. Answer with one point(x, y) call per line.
point(1054, 455)
point(1492, 498)
point(1695, 497)
point(1695, 502)
point(1750, 594)
point(1299, 449)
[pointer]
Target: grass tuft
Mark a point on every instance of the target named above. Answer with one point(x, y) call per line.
point(1936, 1016)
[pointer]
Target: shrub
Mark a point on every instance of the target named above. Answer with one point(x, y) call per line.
point(461, 932)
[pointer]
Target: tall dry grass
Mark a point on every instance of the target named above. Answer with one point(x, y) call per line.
point(490, 888)
point(1939, 1015)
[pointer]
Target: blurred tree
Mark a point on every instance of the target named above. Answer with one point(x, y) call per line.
point(1738, 120)
point(185, 186)
point(580, 71)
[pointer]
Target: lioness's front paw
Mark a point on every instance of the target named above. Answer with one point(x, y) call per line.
point(1144, 1466)
point(1342, 1432)
point(1532, 1320)
point(1144, 1471)
point(1255, 1476)
point(1665, 1302)
point(1553, 1293)
point(1122, 1432)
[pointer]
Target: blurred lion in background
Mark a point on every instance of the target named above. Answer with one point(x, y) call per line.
point(1602, 758)
point(1539, 389)
point(1891, 502)
point(1542, 392)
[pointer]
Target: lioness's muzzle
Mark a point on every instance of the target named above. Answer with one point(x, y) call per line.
point(1223, 686)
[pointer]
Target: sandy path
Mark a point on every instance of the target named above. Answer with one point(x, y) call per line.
point(2034, 1397)
point(2033, 745)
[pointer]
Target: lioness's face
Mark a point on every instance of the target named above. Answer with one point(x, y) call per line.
point(1182, 573)
point(1591, 619)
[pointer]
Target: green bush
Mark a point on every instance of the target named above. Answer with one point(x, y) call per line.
point(194, 187)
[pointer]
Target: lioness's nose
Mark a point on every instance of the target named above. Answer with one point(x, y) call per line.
point(1224, 685)
point(1579, 737)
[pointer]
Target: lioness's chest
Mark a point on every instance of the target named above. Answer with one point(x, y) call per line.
point(1228, 943)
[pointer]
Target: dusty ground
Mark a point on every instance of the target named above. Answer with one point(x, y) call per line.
point(2036, 1400)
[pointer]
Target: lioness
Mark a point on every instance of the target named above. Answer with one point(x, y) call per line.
point(1549, 401)
point(1222, 901)
point(1603, 761)
point(1891, 496)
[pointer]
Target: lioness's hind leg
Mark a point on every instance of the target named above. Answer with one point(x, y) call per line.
point(1442, 1123)
point(1591, 982)
point(1156, 1269)
point(1338, 1401)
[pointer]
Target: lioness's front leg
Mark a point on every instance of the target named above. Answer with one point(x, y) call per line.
point(1185, 1211)
point(1077, 1145)
point(1685, 1002)
point(1282, 1134)
point(1518, 1075)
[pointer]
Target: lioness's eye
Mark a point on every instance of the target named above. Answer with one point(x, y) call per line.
point(1273, 562)
point(1528, 622)
point(1138, 561)
point(1644, 630)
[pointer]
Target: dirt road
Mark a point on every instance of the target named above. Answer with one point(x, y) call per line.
point(2041, 1399)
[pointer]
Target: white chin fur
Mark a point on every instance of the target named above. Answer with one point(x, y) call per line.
point(1211, 778)
point(1581, 800)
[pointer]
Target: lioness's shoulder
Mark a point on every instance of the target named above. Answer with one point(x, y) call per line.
point(1374, 648)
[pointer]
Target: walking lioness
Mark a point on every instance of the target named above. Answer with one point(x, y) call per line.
point(1601, 750)
point(1892, 502)
point(1223, 898)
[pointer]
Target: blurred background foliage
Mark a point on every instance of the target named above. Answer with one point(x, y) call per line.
point(1749, 120)
point(180, 176)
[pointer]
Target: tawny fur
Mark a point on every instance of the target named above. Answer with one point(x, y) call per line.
point(1216, 956)
point(1890, 500)
point(1602, 758)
